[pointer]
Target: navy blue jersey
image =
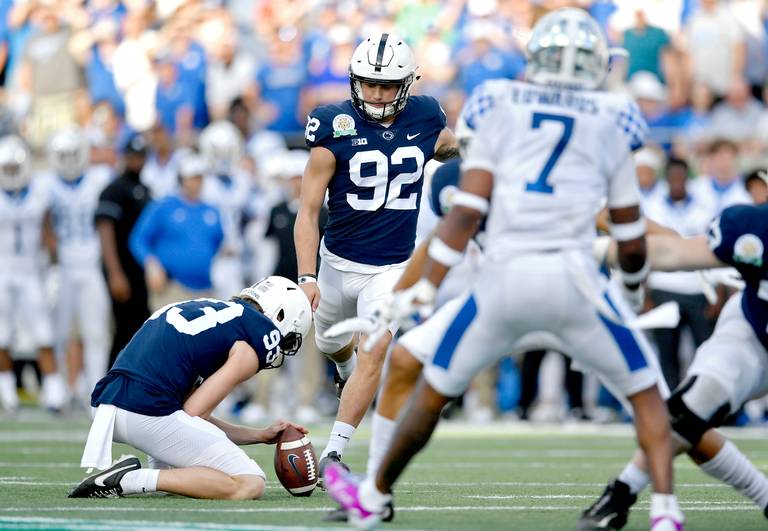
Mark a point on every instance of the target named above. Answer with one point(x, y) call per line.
point(374, 194)
point(445, 183)
point(739, 237)
point(178, 346)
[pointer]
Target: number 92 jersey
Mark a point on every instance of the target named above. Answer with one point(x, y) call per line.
point(374, 194)
point(739, 237)
point(176, 347)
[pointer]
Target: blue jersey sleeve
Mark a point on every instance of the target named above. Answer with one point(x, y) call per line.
point(263, 337)
point(145, 232)
point(737, 236)
point(319, 130)
point(435, 111)
point(445, 182)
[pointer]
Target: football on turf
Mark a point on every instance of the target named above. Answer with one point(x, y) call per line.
point(295, 462)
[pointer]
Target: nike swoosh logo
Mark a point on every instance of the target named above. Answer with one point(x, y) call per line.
point(292, 458)
point(411, 137)
point(99, 480)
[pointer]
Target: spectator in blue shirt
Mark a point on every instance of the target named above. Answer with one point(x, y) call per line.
point(482, 59)
point(174, 100)
point(176, 239)
point(279, 84)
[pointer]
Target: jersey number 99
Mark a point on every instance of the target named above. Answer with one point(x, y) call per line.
point(380, 180)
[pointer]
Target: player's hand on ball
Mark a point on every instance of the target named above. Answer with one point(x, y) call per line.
point(312, 291)
point(271, 433)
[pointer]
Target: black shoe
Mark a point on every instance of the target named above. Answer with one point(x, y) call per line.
point(340, 515)
point(610, 511)
point(339, 383)
point(106, 484)
point(332, 457)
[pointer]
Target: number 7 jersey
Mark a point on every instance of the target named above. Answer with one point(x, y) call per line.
point(375, 191)
point(557, 156)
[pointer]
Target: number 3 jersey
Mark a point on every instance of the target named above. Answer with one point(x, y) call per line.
point(178, 346)
point(739, 237)
point(556, 156)
point(374, 194)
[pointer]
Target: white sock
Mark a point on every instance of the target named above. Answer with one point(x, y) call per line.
point(341, 433)
point(370, 497)
point(635, 477)
point(731, 467)
point(9, 399)
point(664, 506)
point(382, 431)
point(345, 368)
point(140, 481)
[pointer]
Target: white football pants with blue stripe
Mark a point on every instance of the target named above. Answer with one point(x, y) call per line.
point(529, 302)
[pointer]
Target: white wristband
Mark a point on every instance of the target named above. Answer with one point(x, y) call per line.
point(442, 253)
point(623, 232)
point(473, 201)
point(638, 276)
point(307, 279)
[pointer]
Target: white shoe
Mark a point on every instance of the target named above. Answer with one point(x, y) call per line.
point(53, 394)
point(307, 415)
point(9, 398)
point(665, 513)
point(253, 414)
point(481, 415)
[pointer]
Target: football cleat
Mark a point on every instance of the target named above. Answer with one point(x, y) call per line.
point(340, 515)
point(610, 511)
point(332, 457)
point(106, 483)
point(343, 488)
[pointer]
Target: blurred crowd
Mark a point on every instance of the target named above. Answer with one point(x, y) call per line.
point(195, 111)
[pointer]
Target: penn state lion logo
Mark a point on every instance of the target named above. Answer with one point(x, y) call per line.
point(748, 249)
point(343, 125)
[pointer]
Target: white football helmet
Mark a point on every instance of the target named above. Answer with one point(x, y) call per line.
point(222, 145)
point(382, 59)
point(15, 163)
point(286, 305)
point(68, 153)
point(568, 49)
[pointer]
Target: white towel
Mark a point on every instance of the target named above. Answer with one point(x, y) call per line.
point(98, 447)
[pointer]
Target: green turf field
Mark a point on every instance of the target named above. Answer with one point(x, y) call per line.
point(507, 476)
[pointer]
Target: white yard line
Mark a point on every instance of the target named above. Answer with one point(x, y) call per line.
point(25, 480)
point(695, 507)
point(136, 525)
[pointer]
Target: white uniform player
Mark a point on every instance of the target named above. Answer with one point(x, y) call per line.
point(544, 158)
point(23, 204)
point(83, 296)
point(227, 187)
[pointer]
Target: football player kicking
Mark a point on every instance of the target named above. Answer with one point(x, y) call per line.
point(368, 153)
point(543, 159)
point(152, 398)
point(728, 369)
